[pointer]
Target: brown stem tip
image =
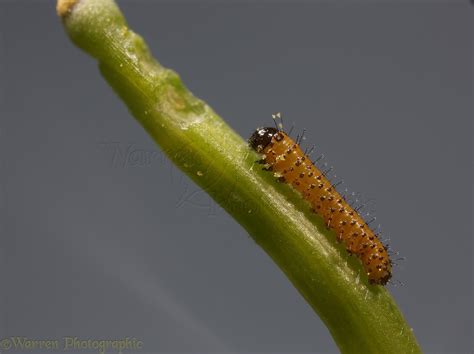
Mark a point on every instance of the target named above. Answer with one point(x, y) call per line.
point(64, 7)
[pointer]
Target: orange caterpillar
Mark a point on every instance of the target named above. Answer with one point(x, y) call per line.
point(285, 158)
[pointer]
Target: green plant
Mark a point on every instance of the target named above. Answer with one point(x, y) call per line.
point(361, 318)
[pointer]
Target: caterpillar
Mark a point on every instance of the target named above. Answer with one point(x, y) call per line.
point(284, 157)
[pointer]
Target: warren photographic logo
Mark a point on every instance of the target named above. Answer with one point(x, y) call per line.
point(123, 155)
point(131, 155)
point(73, 344)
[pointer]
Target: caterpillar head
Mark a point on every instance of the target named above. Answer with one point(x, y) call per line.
point(261, 138)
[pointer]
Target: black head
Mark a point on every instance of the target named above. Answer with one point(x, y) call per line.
point(261, 138)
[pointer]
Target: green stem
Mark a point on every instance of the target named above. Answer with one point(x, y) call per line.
point(362, 318)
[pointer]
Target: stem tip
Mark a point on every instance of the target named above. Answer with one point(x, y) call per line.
point(64, 7)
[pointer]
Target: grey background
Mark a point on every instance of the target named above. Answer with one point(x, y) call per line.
point(97, 240)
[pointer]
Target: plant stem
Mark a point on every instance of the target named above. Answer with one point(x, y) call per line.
point(362, 318)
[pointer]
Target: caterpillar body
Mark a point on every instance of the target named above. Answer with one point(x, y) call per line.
point(284, 157)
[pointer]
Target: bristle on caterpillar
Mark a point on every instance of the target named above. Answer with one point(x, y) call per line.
point(289, 164)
